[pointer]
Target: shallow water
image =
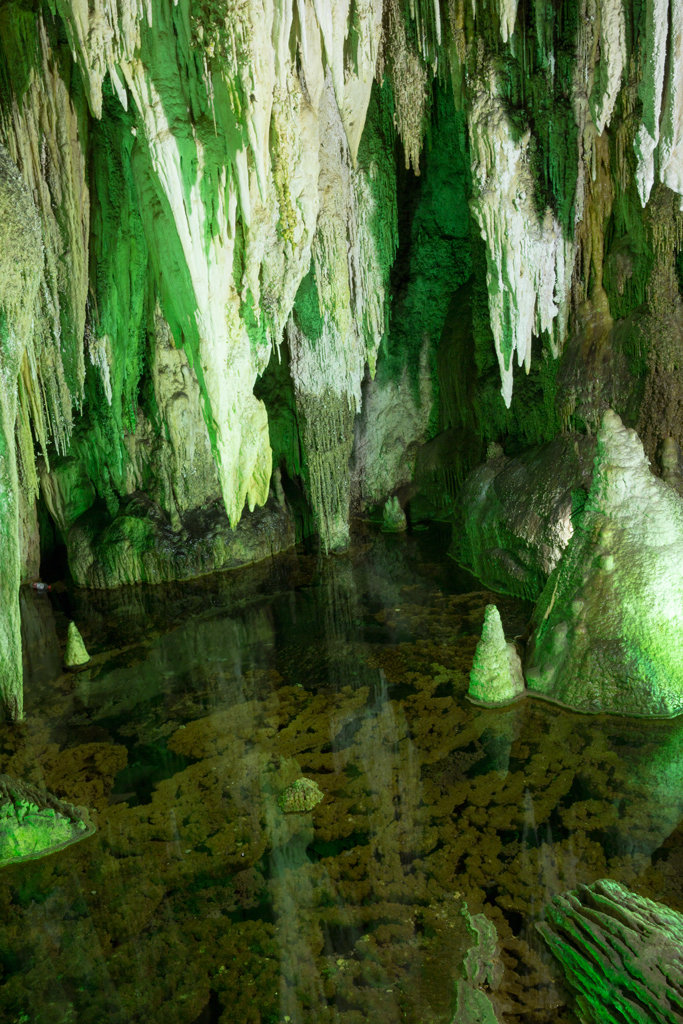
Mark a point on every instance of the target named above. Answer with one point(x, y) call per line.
point(197, 900)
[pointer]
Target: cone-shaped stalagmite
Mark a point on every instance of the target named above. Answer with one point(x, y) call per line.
point(609, 624)
point(76, 655)
point(496, 676)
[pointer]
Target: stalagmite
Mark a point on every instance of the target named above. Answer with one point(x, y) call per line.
point(76, 655)
point(496, 676)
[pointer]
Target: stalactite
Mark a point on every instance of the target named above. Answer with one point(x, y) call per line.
point(529, 260)
point(327, 429)
point(409, 79)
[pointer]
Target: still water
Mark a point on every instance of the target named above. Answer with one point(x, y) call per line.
point(198, 901)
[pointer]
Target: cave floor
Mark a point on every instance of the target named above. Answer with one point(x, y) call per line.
point(197, 900)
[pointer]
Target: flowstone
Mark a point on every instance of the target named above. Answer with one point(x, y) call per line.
point(608, 627)
point(620, 952)
point(496, 676)
point(34, 823)
point(482, 969)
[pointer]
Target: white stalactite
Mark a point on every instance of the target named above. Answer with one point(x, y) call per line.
point(659, 142)
point(529, 262)
point(612, 60)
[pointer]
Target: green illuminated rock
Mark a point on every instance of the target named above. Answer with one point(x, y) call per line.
point(608, 630)
point(300, 796)
point(496, 675)
point(517, 513)
point(34, 823)
point(620, 952)
point(76, 655)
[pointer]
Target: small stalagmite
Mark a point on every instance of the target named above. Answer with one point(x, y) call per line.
point(76, 655)
point(496, 676)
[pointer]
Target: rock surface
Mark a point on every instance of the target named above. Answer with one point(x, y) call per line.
point(517, 513)
point(34, 823)
point(608, 627)
point(621, 954)
point(482, 972)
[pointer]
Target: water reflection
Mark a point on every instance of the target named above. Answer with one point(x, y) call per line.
point(198, 900)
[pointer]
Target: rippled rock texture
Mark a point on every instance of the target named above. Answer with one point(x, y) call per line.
point(620, 952)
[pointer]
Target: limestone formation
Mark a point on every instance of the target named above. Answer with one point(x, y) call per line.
point(482, 972)
point(496, 676)
point(34, 823)
point(76, 655)
point(517, 513)
point(608, 627)
point(620, 952)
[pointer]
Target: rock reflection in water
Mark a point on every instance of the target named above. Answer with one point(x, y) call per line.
point(198, 900)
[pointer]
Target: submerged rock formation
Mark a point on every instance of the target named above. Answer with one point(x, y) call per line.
point(34, 823)
point(620, 952)
point(608, 630)
point(300, 796)
point(250, 231)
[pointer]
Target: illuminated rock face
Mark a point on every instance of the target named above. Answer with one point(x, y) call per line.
point(609, 624)
point(20, 267)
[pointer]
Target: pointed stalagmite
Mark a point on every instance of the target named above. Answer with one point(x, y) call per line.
point(496, 676)
point(76, 654)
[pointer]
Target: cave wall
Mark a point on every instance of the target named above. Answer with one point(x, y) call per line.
point(290, 248)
